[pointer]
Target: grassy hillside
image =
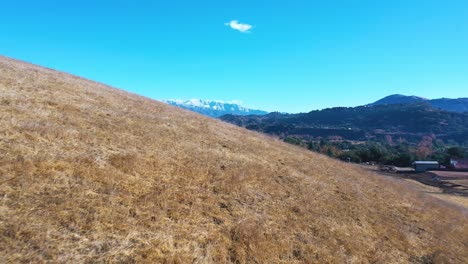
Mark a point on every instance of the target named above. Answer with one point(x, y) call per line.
point(89, 173)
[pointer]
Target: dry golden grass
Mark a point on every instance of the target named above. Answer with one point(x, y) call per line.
point(89, 173)
point(461, 201)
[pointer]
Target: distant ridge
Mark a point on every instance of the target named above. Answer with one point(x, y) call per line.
point(213, 108)
point(399, 99)
point(410, 121)
point(459, 105)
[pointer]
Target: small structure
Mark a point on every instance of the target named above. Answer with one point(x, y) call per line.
point(459, 164)
point(423, 165)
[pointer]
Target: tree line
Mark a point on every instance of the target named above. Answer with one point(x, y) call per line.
point(399, 153)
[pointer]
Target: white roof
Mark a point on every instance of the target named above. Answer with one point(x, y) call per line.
point(426, 162)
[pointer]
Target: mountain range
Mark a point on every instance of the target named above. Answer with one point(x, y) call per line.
point(452, 105)
point(214, 108)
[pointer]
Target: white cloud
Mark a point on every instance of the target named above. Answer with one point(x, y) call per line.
point(234, 24)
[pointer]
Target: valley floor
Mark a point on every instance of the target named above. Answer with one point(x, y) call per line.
point(448, 186)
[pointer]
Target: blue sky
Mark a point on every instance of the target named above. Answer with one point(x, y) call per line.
point(298, 55)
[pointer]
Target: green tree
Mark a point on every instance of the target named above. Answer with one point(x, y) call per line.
point(456, 152)
point(402, 160)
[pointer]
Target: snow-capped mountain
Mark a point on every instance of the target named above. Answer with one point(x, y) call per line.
point(214, 108)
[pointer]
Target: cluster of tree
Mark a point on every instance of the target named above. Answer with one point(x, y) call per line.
point(400, 154)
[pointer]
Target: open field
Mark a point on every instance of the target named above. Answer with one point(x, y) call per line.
point(449, 186)
point(89, 173)
point(454, 177)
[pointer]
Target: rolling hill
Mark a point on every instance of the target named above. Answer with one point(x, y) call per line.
point(90, 173)
point(399, 99)
point(407, 121)
point(459, 105)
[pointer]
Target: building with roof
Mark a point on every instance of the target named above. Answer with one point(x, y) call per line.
point(425, 165)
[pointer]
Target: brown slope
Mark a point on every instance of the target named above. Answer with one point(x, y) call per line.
point(89, 173)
